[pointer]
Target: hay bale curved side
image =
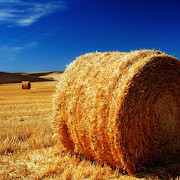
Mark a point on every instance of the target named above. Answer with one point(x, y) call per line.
point(120, 108)
point(26, 85)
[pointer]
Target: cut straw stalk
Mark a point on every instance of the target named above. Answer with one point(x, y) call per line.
point(121, 108)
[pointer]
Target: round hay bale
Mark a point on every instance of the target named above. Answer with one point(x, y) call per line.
point(121, 108)
point(26, 85)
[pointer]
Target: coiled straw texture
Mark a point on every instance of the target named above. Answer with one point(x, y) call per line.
point(121, 109)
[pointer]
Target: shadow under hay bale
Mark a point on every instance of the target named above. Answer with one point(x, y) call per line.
point(26, 85)
point(121, 108)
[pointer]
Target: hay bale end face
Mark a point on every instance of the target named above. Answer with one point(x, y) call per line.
point(26, 85)
point(121, 108)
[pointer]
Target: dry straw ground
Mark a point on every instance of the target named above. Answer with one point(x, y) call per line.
point(28, 147)
point(121, 109)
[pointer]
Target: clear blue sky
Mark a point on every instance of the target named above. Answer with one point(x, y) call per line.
point(46, 35)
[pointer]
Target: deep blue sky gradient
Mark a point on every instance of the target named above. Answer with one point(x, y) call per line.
point(48, 35)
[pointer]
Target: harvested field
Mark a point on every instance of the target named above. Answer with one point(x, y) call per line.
point(29, 148)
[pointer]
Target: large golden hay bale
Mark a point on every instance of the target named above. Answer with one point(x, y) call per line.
point(121, 108)
point(26, 85)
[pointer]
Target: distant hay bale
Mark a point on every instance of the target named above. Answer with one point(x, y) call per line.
point(121, 108)
point(26, 85)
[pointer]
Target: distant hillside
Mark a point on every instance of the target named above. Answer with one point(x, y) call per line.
point(19, 77)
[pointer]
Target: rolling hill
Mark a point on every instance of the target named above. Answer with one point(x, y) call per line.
point(6, 78)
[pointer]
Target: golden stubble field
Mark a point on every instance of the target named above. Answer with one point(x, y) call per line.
point(29, 148)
